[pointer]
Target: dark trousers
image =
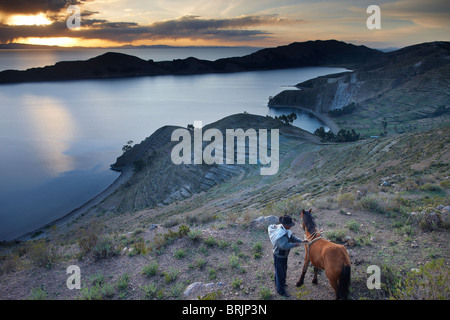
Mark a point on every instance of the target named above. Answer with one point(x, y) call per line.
point(280, 265)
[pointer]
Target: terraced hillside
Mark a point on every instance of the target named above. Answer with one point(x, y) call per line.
point(386, 199)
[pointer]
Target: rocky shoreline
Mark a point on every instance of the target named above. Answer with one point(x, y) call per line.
point(42, 232)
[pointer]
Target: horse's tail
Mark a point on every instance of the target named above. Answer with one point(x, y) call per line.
point(344, 282)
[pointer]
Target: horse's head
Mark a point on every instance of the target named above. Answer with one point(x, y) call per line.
point(305, 216)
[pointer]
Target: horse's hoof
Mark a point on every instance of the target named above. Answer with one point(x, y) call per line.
point(299, 284)
point(314, 281)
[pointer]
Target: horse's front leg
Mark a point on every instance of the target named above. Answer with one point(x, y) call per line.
point(305, 267)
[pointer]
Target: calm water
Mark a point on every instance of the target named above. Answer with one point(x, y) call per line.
point(58, 139)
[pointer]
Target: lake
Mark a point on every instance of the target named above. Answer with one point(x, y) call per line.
point(58, 139)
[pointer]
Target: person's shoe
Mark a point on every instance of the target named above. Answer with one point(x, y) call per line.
point(285, 294)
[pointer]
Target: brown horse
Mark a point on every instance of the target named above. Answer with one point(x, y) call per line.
point(325, 255)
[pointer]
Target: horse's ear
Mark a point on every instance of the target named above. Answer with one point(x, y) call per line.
point(310, 209)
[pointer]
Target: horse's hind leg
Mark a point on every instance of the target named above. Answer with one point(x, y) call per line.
point(335, 286)
point(305, 267)
point(314, 280)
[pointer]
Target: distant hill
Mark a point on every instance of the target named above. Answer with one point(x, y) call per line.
point(114, 65)
point(6, 46)
point(12, 45)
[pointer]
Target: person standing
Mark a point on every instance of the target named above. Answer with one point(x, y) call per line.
point(283, 241)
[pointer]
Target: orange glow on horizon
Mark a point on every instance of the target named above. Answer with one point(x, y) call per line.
point(60, 41)
point(28, 20)
point(80, 42)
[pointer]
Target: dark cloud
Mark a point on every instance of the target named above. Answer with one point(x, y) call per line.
point(35, 6)
point(191, 27)
point(88, 13)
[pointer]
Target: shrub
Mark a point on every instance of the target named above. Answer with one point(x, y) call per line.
point(363, 240)
point(336, 235)
point(265, 293)
point(151, 269)
point(97, 279)
point(123, 282)
point(429, 282)
point(353, 225)
point(161, 240)
point(445, 184)
point(139, 247)
point(107, 290)
point(177, 289)
point(38, 294)
point(99, 289)
point(200, 262)
point(301, 293)
point(371, 204)
point(179, 254)
point(183, 230)
point(346, 199)
point(88, 237)
point(11, 263)
point(212, 274)
point(192, 219)
point(210, 241)
point(257, 249)
point(150, 290)
point(223, 244)
point(342, 136)
point(287, 119)
point(195, 235)
point(236, 283)
point(432, 188)
point(104, 249)
point(171, 275)
point(345, 110)
point(429, 221)
point(234, 261)
point(91, 293)
point(289, 206)
point(390, 277)
point(42, 254)
point(210, 296)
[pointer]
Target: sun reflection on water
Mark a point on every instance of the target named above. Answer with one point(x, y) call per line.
point(53, 129)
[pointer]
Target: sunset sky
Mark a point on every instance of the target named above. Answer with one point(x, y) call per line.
point(261, 23)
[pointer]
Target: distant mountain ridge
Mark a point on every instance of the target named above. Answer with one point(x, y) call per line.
point(114, 65)
point(13, 45)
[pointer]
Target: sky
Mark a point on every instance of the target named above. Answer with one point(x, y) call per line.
point(258, 23)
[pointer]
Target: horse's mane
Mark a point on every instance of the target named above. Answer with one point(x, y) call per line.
point(309, 222)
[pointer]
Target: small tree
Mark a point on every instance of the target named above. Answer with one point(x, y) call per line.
point(128, 146)
point(289, 119)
